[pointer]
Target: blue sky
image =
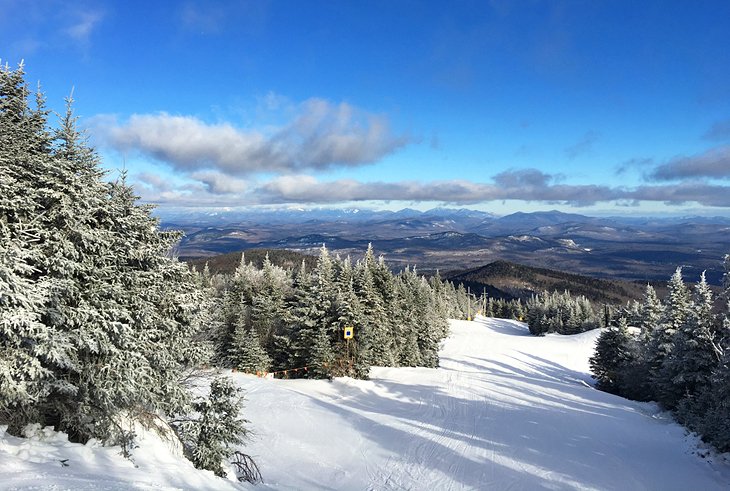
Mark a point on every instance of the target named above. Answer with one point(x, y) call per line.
point(585, 106)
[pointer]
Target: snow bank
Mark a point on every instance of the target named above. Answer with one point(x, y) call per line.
point(46, 460)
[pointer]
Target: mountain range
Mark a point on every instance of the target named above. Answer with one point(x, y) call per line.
point(628, 248)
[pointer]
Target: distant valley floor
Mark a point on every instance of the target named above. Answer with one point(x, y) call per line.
point(456, 240)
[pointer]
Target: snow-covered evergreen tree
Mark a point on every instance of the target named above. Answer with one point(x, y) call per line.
point(678, 306)
point(349, 314)
point(708, 412)
point(268, 309)
point(107, 318)
point(321, 356)
point(374, 342)
point(301, 330)
point(561, 313)
point(652, 311)
point(246, 353)
point(317, 323)
point(613, 354)
point(433, 328)
point(211, 438)
point(687, 368)
point(29, 347)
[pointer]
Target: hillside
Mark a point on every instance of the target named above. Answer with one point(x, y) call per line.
point(504, 411)
point(509, 280)
point(614, 248)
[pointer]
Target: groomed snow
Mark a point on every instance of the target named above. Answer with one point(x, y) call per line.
point(505, 411)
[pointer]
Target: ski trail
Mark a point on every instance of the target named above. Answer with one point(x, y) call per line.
point(448, 426)
point(504, 411)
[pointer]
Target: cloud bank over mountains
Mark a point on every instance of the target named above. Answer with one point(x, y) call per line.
point(288, 164)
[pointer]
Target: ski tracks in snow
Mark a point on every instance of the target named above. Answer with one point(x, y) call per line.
point(444, 429)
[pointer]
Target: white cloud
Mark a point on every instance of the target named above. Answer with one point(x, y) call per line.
point(321, 135)
point(154, 181)
point(188, 144)
point(526, 185)
point(211, 189)
point(306, 189)
point(218, 183)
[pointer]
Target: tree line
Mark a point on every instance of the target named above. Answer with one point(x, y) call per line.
point(561, 313)
point(546, 312)
point(270, 319)
point(675, 351)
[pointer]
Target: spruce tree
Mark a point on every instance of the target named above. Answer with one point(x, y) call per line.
point(29, 347)
point(349, 314)
point(316, 317)
point(613, 354)
point(22, 374)
point(321, 356)
point(432, 329)
point(300, 332)
point(374, 341)
point(211, 438)
point(651, 313)
point(268, 312)
point(687, 368)
point(408, 323)
point(109, 316)
point(708, 413)
point(662, 343)
point(246, 353)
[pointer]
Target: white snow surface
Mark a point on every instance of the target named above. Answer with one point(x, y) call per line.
point(504, 411)
point(46, 460)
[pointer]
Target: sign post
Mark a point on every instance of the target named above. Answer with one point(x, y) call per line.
point(348, 334)
point(468, 303)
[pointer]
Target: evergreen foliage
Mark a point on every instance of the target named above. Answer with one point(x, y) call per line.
point(680, 357)
point(688, 366)
point(398, 319)
point(210, 438)
point(613, 355)
point(663, 336)
point(97, 321)
point(560, 313)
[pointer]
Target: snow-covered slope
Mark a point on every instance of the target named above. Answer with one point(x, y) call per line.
point(505, 411)
point(46, 460)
